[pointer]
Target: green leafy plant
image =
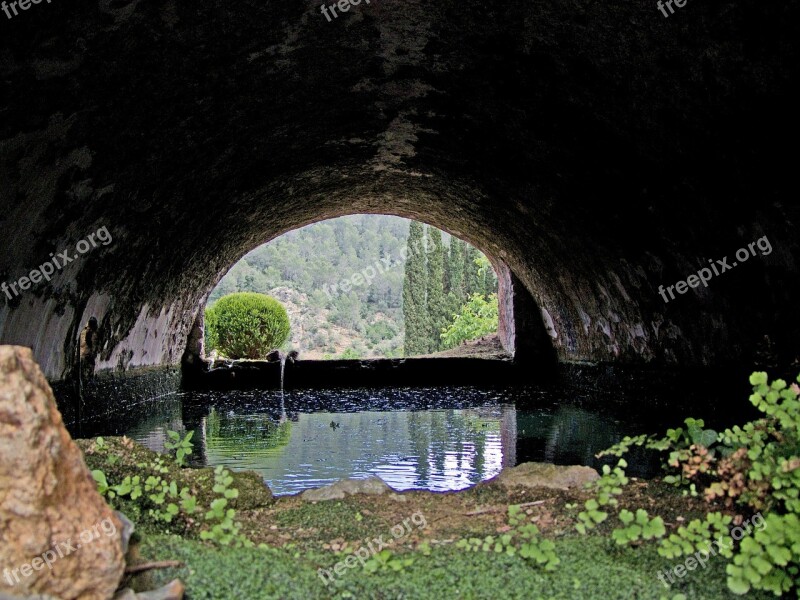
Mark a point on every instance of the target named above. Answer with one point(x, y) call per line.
point(350, 354)
point(608, 486)
point(638, 527)
point(102, 484)
point(223, 528)
point(162, 500)
point(590, 517)
point(698, 535)
point(768, 560)
point(689, 448)
point(754, 467)
point(182, 446)
point(130, 486)
point(246, 325)
point(532, 546)
point(159, 491)
point(523, 539)
point(490, 543)
point(478, 317)
point(386, 561)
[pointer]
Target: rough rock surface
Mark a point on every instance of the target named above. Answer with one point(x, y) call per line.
point(48, 496)
point(336, 491)
point(174, 590)
point(546, 475)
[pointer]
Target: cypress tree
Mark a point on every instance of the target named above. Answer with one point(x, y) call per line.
point(472, 284)
point(437, 309)
point(455, 275)
point(447, 263)
point(455, 270)
point(414, 301)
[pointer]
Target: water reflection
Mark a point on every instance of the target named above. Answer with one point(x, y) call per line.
point(437, 450)
point(439, 440)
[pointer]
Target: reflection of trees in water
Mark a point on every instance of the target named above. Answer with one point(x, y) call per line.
point(253, 435)
point(420, 443)
point(151, 428)
point(575, 436)
point(572, 436)
point(439, 449)
point(438, 435)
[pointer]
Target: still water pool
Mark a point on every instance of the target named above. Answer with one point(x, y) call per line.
point(437, 439)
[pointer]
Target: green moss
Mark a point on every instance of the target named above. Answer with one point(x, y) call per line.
point(591, 567)
point(333, 519)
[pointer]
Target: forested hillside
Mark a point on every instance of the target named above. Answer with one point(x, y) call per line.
point(341, 282)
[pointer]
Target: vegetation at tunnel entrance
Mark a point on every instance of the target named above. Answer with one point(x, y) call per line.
point(246, 325)
point(477, 318)
point(342, 282)
point(449, 295)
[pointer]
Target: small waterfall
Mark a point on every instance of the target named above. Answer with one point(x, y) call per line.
point(284, 416)
point(283, 367)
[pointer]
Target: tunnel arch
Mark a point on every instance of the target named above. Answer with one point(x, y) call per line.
point(591, 308)
point(193, 133)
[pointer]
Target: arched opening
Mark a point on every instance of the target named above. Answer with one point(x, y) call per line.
point(346, 282)
point(343, 283)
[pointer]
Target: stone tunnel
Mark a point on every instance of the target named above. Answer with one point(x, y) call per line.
point(597, 151)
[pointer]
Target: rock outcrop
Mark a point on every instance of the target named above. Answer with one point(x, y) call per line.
point(57, 535)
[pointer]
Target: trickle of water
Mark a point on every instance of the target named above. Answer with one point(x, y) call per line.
point(283, 366)
point(284, 417)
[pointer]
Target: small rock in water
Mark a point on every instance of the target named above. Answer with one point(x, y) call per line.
point(546, 475)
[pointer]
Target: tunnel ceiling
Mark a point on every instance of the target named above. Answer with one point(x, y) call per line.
point(599, 149)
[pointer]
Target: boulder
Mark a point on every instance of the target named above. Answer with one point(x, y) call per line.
point(547, 476)
point(336, 491)
point(58, 537)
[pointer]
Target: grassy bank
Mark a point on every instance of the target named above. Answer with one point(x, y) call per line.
point(591, 567)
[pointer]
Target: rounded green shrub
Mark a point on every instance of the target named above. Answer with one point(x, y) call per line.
point(246, 325)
